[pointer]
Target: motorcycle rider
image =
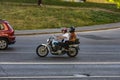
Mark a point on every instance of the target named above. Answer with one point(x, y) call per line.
point(64, 37)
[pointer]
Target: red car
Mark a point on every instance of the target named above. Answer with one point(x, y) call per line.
point(6, 34)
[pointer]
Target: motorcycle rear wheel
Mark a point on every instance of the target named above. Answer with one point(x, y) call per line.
point(42, 51)
point(72, 52)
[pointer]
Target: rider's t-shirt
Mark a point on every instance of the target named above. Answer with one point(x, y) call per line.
point(67, 37)
point(72, 37)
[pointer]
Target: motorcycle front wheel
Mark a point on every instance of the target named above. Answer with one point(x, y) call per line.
point(42, 51)
point(72, 52)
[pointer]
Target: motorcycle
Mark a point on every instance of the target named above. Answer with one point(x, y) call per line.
point(52, 46)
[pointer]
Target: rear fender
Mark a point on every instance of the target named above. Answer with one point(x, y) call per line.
point(75, 45)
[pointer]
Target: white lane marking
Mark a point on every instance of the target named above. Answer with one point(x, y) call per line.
point(73, 63)
point(15, 52)
point(58, 77)
point(84, 53)
point(24, 77)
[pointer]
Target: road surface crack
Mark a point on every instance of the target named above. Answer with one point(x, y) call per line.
point(2, 70)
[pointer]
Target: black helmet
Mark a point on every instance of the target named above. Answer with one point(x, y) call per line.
point(72, 29)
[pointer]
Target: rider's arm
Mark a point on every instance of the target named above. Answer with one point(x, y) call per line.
point(60, 37)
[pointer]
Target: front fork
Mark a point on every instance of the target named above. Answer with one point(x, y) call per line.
point(47, 46)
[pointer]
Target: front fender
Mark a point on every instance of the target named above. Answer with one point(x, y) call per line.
point(46, 46)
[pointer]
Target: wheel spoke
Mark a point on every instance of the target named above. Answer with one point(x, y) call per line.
point(73, 52)
point(3, 44)
point(42, 51)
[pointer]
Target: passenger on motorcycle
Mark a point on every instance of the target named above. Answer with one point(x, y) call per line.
point(72, 37)
point(72, 34)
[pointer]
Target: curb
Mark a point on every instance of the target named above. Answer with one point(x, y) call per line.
point(78, 29)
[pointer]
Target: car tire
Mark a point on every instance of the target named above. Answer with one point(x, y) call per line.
point(3, 44)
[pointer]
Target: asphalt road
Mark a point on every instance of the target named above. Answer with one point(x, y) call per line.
point(98, 59)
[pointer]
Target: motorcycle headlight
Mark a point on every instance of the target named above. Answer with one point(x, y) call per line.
point(48, 40)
